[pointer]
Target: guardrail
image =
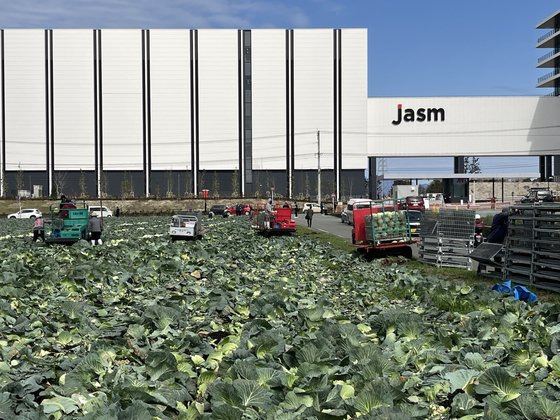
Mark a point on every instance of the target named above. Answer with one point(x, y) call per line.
point(547, 35)
point(547, 56)
point(548, 76)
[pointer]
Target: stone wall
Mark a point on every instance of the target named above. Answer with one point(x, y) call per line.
point(482, 190)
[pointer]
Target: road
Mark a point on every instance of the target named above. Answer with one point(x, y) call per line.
point(333, 225)
point(328, 224)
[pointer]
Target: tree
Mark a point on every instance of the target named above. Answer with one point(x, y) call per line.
point(216, 186)
point(82, 182)
point(19, 180)
point(188, 182)
point(126, 185)
point(103, 185)
point(169, 192)
point(59, 180)
point(472, 165)
point(436, 186)
point(235, 184)
point(4, 185)
point(201, 182)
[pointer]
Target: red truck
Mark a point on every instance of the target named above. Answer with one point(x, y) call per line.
point(278, 221)
point(382, 226)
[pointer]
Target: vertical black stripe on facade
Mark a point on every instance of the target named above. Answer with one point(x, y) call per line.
point(292, 118)
point(247, 89)
point(144, 115)
point(289, 169)
point(197, 132)
point(51, 100)
point(3, 99)
point(149, 104)
point(339, 148)
point(240, 101)
point(47, 118)
point(100, 97)
point(95, 110)
point(144, 128)
point(335, 104)
point(191, 52)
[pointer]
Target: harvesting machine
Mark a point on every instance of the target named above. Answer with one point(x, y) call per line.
point(279, 221)
point(68, 223)
point(382, 226)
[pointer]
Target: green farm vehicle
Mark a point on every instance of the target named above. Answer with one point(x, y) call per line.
point(68, 223)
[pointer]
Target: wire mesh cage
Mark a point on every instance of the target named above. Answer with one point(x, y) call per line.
point(456, 224)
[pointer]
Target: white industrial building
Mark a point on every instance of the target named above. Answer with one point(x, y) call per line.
point(183, 110)
point(151, 112)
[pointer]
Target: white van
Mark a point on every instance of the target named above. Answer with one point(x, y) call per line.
point(355, 203)
point(98, 209)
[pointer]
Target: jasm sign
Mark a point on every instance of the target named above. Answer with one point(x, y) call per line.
point(420, 115)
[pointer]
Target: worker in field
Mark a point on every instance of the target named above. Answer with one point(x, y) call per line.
point(38, 229)
point(498, 231)
point(95, 227)
point(65, 203)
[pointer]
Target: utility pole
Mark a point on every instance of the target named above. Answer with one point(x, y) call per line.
point(319, 167)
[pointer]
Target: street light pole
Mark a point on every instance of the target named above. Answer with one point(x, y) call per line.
point(319, 167)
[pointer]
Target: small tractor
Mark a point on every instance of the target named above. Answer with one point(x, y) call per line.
point(68, 224)
point(382, 228)
point(185, 225)
point(278, 221)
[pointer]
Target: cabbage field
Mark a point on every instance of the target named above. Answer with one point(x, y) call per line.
point(238, 326)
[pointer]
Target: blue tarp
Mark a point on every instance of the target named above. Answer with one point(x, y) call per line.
point(518, 292)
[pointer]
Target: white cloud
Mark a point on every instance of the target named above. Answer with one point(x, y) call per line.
point(151, 14)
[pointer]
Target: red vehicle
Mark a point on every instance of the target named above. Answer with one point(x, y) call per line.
point(415, 203)
point(276, 222)
point(381, 226)
point(239, 209)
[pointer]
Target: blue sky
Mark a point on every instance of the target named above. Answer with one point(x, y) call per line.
point(416, 48)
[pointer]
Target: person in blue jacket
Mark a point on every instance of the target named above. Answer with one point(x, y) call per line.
point(498, 231)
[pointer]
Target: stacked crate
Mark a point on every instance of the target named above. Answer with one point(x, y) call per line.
point(533, 245)
point(387, 227)
point(450, 240)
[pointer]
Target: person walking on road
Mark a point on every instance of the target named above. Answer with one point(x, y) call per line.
point(309, 216)
point(296, 209)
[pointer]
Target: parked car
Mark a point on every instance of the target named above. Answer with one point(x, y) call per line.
point(100, 211)
point(415, 220)
point(25, 214)
point(315, 206)
point(415, 203)
point(218, 210)
point(538, 196)
point(355, 203)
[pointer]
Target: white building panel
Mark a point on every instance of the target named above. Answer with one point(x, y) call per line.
point(25, 91)
point(122, 99)
point(170, 96)
point(74, 130)
point(269, 98)
point(472, 126)
point(218, 99)
point(313, 97)
point(354, 98)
